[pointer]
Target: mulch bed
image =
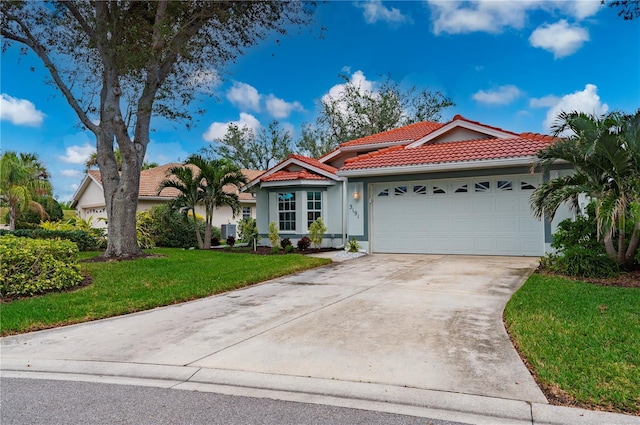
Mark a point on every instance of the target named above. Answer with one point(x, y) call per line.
point(266, 250)
point(623, 280)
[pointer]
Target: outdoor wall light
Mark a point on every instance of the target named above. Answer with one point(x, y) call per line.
point(356, 192)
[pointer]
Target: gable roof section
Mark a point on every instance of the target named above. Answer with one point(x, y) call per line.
point(408, 133)
point(312, 170)
point(457, 122)
point(526, 145)
point(292, 175)
point(151, 178)
point(397, 136)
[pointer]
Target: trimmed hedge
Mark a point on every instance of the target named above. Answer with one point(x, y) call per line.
point(84, 240)
point(31, 266)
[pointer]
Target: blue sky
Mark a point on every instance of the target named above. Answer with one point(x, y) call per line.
point(512, 64)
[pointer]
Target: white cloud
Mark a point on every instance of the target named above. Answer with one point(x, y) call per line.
point(459, 17)
point(244, 96)
point(279, 108)
point(205, 80)
point(19, 111)
point(586, 101)
point(501, 96)
point(374, 11)
point(358, 79)
point(584, 8)
point(543, 102)
point(561, 38)
point(71, 173)
point(217, 130)
point(78, 154)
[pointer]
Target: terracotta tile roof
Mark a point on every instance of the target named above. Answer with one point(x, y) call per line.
point(313, 162)
point(150, 181)
point(461, 118)
point(408, 133)
point(293, 175)
point(458, 151)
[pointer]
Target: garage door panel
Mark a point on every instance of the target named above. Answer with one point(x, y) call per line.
point(491, 221)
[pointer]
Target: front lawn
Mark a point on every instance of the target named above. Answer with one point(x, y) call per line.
point(581, 340)
point(128, 286)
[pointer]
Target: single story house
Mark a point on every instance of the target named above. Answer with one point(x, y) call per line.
point(461, 187)
point(88, 200)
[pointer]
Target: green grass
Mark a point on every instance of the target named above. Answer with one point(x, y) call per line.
point(142, 284)
point(581, 338)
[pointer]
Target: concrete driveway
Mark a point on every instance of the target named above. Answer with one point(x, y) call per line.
point(393, 322)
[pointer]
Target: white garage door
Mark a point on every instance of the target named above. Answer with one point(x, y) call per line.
point(485, 216)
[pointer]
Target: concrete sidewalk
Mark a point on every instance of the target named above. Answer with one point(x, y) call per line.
point(417, 335)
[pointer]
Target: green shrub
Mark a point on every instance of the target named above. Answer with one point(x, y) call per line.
point(316, 232)
point(144, 226)
point(85, 241)
point(353, 246)
point(304, 243)
point(274, 235)
point(580, 262)
point(248, 230)
point(30, 267)
point(289, 248)
point(170, 229)
point(285, 242)
point(583, 231)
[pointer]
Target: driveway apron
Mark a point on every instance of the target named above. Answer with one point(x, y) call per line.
point(419, 321)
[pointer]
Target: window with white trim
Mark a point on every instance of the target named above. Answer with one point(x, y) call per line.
point(314, 206)
point(287, 211)
point(246, 212)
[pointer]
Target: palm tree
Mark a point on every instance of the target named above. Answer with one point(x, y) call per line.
point(190, 189)
point(213, 176)
point(21, 179)
point(605, 154)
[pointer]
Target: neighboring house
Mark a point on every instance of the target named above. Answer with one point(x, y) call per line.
point(462, 187)
point(88, 200)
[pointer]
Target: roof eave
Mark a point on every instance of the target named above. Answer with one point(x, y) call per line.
point(291, 183)
point(88, 178)
point(446, 166)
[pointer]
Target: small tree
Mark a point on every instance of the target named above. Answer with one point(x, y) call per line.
point(274, 235)
point(248, 230)
point(316, 232)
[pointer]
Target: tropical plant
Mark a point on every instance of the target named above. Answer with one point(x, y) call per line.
point(316, 232)
point(214, 176)
point(32, 218)
point(248, 230)
point(188, 184)
point(605, 154)
point(274, 236)
point(21, 180)
point(353, 245)
point(304, 243)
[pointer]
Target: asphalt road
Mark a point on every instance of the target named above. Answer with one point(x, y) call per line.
point(34, 401)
